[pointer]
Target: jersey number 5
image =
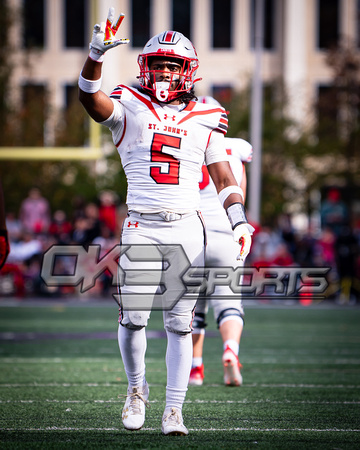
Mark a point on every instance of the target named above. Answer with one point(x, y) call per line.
point(171, 176)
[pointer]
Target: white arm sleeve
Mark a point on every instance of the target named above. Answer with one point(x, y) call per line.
point(216, 149)
point(116, 120)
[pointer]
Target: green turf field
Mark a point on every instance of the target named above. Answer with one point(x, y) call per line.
point(61, 377)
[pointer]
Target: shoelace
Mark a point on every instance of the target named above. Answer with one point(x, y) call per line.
point(173, 416)
point(135, 405)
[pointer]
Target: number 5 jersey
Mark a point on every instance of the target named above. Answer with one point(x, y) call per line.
point(163, 147)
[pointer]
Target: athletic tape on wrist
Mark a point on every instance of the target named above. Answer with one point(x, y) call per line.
point(89, 86)
point(236, 214)
point(224, 193)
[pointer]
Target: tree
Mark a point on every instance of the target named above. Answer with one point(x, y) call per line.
point(324, 154)
point(5, 71)
point(281, 157)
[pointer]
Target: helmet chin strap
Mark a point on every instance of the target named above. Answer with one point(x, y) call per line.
point(162, 90)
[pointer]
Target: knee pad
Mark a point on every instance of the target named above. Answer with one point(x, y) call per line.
point(199, 321)
point(134, 320)
point(130, 326)
point(179, 324)
point(230, 312)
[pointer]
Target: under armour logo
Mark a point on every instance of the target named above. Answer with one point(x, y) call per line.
point(166, 117)
point(132, 224)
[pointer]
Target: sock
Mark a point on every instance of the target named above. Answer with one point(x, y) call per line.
point(196, 362)
point(233, 345)
point(132, 344)
point(178, 364)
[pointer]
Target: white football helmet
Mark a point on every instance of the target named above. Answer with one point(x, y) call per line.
point(171, 45)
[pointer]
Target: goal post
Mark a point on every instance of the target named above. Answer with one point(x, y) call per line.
point(93, 151)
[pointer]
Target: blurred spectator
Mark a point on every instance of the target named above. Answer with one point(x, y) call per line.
point(78, 207)
point(13, 226)
point(265, 243)
point(15, 271)
point(12, 280)
point(4, 237)
point(334, 213)
point(347, 249)
point(304, 249)
point(325, 249)
point(108, 211)
point(100, 225)
point(87, 227)
point(287, 232)
point(107, 242)
point(35, 212)
point(25, 248)
point(283, 257)
point(60, 228)
point(324, 256)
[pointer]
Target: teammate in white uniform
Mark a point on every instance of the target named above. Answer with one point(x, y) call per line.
point(163, 137)
point(220, 252)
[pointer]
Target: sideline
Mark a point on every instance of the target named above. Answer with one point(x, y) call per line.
point(109, 302)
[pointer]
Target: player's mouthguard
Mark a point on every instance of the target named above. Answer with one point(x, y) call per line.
point(162, 90)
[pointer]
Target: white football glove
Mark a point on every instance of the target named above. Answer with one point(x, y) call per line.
point(103, 37)
point(242, 234)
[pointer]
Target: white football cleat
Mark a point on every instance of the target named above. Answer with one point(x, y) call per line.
point(133, 415)
point(232, 366)
point(172, 423)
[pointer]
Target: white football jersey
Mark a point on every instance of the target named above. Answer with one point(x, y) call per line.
point(214, 214)
point(163, 147)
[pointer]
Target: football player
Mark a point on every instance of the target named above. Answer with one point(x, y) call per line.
point(221, 251)
point(163, 137)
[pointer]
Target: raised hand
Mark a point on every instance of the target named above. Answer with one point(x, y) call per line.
point(103, 37)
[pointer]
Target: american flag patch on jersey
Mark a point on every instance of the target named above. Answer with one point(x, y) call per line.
point(116, 93)
point(223, 124)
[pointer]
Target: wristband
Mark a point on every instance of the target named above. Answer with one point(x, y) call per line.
point(236, 214)
point(224, 193)
point(89, 86)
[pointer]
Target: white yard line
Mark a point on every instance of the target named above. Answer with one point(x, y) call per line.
point(253, 385)
point(242, 402)
point(265, 430)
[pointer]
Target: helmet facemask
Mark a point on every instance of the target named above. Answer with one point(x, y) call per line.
point(173, 84)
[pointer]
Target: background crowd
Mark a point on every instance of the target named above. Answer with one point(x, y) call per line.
point(35, 228)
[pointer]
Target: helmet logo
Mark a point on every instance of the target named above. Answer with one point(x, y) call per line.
point(169, 37)
point(165, 50)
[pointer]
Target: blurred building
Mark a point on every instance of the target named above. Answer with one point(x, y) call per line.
point(50, 41)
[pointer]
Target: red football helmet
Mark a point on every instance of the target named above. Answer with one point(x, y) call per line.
point(170, 45)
